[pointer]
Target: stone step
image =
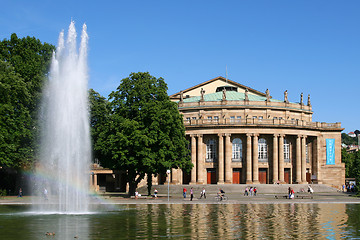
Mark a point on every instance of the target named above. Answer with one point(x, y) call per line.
point(238, 188)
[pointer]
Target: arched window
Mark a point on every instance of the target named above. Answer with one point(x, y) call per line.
point(211, 150)
point(286, 150)
point(237, 150)
point(263, 153)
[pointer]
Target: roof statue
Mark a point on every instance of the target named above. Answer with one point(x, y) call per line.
point(181, 96)
point(286, 97)
point(267, 95)
point(302, 99)
point(224, 94)
point(246, 94)
point(202, 92)
point(309, 103)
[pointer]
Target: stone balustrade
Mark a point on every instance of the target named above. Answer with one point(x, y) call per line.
point(262, 122)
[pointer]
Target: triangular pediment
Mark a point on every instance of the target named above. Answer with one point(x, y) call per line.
point(211, 86)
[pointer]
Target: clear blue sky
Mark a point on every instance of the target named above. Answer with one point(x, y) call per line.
point(300, 46)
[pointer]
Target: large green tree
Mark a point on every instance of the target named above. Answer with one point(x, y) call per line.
point(99, 113)
point(144, 133)
point(15, 118)
point(24, 66)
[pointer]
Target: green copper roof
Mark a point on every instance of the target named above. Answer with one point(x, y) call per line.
point(230, 96)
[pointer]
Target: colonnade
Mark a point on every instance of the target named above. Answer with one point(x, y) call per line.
point(223, 164)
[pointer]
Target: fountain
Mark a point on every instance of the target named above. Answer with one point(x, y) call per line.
point(65, 143)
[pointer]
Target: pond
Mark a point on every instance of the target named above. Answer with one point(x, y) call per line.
point(187, 221)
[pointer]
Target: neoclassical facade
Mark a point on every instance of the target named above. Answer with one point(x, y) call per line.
point(239, 135)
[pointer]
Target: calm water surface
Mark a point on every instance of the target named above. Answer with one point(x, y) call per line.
point(188, 221)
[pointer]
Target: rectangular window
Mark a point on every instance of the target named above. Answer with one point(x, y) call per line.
point(260, 117)
point(275, 118)
point(262, 152)
point(194, 118)
point(307, 153)
point(286, 152)
point(232, 119)
point(209, 117)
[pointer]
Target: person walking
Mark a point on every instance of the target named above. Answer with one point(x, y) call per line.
point(191, 194)
point(246, 193)
point(202, 194)
point(255, 191)
point(184, 192)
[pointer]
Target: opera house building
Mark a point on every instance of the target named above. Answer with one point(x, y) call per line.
point(239, 135)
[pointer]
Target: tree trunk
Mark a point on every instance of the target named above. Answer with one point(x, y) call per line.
point(149, 183)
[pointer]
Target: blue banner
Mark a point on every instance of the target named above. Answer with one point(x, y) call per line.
point(330, 151)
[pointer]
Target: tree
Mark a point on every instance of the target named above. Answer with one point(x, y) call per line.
point(14, 118)
point(98, 116)
point(346, 139)
point(348, 159)
point(24, 65)
point(144, 133)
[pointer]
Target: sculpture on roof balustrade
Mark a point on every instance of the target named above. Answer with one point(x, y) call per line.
point(286, 100)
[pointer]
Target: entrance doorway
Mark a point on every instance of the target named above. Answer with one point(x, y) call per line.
point(211, 176)
point(186, 178)
point(287, 175)
point(236, 175)
point(308, 176)
point(263, 175)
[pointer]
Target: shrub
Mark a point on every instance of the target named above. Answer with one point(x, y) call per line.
point(2, 193)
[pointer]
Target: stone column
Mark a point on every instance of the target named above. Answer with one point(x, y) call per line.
point(200, 160)
point(303, 159)
point(256, 159)
point(281, 158)
point(95, 183)
point(248, 160)
point(318, 160)
point(193, 159)
point(221, 159)
point(228, 156)
point(275, 159)
point(298, 159)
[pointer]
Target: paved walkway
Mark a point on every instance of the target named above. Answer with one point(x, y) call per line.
point(233, 198)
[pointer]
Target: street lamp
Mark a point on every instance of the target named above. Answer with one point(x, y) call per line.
point(168, 173)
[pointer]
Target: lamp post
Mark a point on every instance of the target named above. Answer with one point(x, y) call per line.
point(168, 175)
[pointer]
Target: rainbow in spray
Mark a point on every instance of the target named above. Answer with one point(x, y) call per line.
point(65, 143)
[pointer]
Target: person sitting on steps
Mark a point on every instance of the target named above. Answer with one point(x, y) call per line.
point(221, 194)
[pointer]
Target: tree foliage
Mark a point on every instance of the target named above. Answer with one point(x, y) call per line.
point(144, 133)
point(98, 116)
point(24, 63)
point(352, 165)
point(346, 139)
point(14, 118)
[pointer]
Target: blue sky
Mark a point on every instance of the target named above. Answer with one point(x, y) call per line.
point(300, 46)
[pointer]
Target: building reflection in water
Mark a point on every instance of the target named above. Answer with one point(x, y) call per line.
point(191, 221)
point(233, 221)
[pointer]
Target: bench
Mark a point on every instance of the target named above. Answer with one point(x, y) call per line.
point(304, 196)
point(141, 197)
point(281, 196)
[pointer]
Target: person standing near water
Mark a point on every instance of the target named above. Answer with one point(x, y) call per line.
point(45, 194)
point(184, 192)
point(191, 194)
point(155, 193)
point(20, 193)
